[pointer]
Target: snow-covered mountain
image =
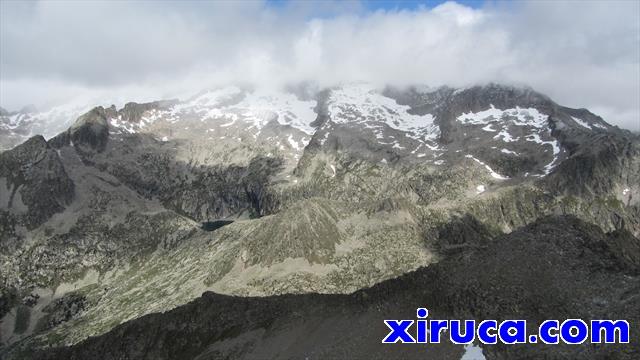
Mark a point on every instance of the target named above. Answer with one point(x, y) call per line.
point(408, 122)
point(129, 211)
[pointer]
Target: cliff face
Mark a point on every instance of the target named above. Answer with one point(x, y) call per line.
point(35, 184)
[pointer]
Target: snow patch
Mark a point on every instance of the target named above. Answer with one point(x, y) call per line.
point(482, 117)
point(294, 144)
point(528, 120)
point(489, 128)
point(364, 104)
point(556, 151)
point(117, 123)
point(229, 123)
point(507, 151)
point(581, 123)
point(493, 117)
point(516, 116)
point(324, 138)
point(472, 352)
point(256, 108)
point(494, 174)
point(587, 125)
point(506, 136)
point(285, 108)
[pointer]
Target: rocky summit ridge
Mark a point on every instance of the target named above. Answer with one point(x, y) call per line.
point(126, 212)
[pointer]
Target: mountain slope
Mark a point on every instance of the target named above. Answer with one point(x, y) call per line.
point(556, 268)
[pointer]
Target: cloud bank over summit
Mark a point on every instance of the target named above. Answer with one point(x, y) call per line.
point(582, 55)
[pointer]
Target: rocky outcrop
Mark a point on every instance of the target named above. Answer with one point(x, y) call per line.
point(599, 165)
point(90, 132)
point(33, 182)
point(201, 193)
point(61, 310)
point(463, 232)
point(132, 112)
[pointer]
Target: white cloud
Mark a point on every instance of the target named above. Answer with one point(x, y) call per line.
point(585, 55)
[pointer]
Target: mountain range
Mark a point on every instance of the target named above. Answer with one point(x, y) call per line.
point(249, 223)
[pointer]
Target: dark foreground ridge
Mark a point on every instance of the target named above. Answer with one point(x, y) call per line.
point(556, 268)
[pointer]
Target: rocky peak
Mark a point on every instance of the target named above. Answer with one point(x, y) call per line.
point(132, 112)
point(90, 132)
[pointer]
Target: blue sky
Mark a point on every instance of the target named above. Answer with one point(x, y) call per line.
point(413, 4)
point(374, 5)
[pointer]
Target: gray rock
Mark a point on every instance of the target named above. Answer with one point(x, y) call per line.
point(90, 132)
point(35, 183)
